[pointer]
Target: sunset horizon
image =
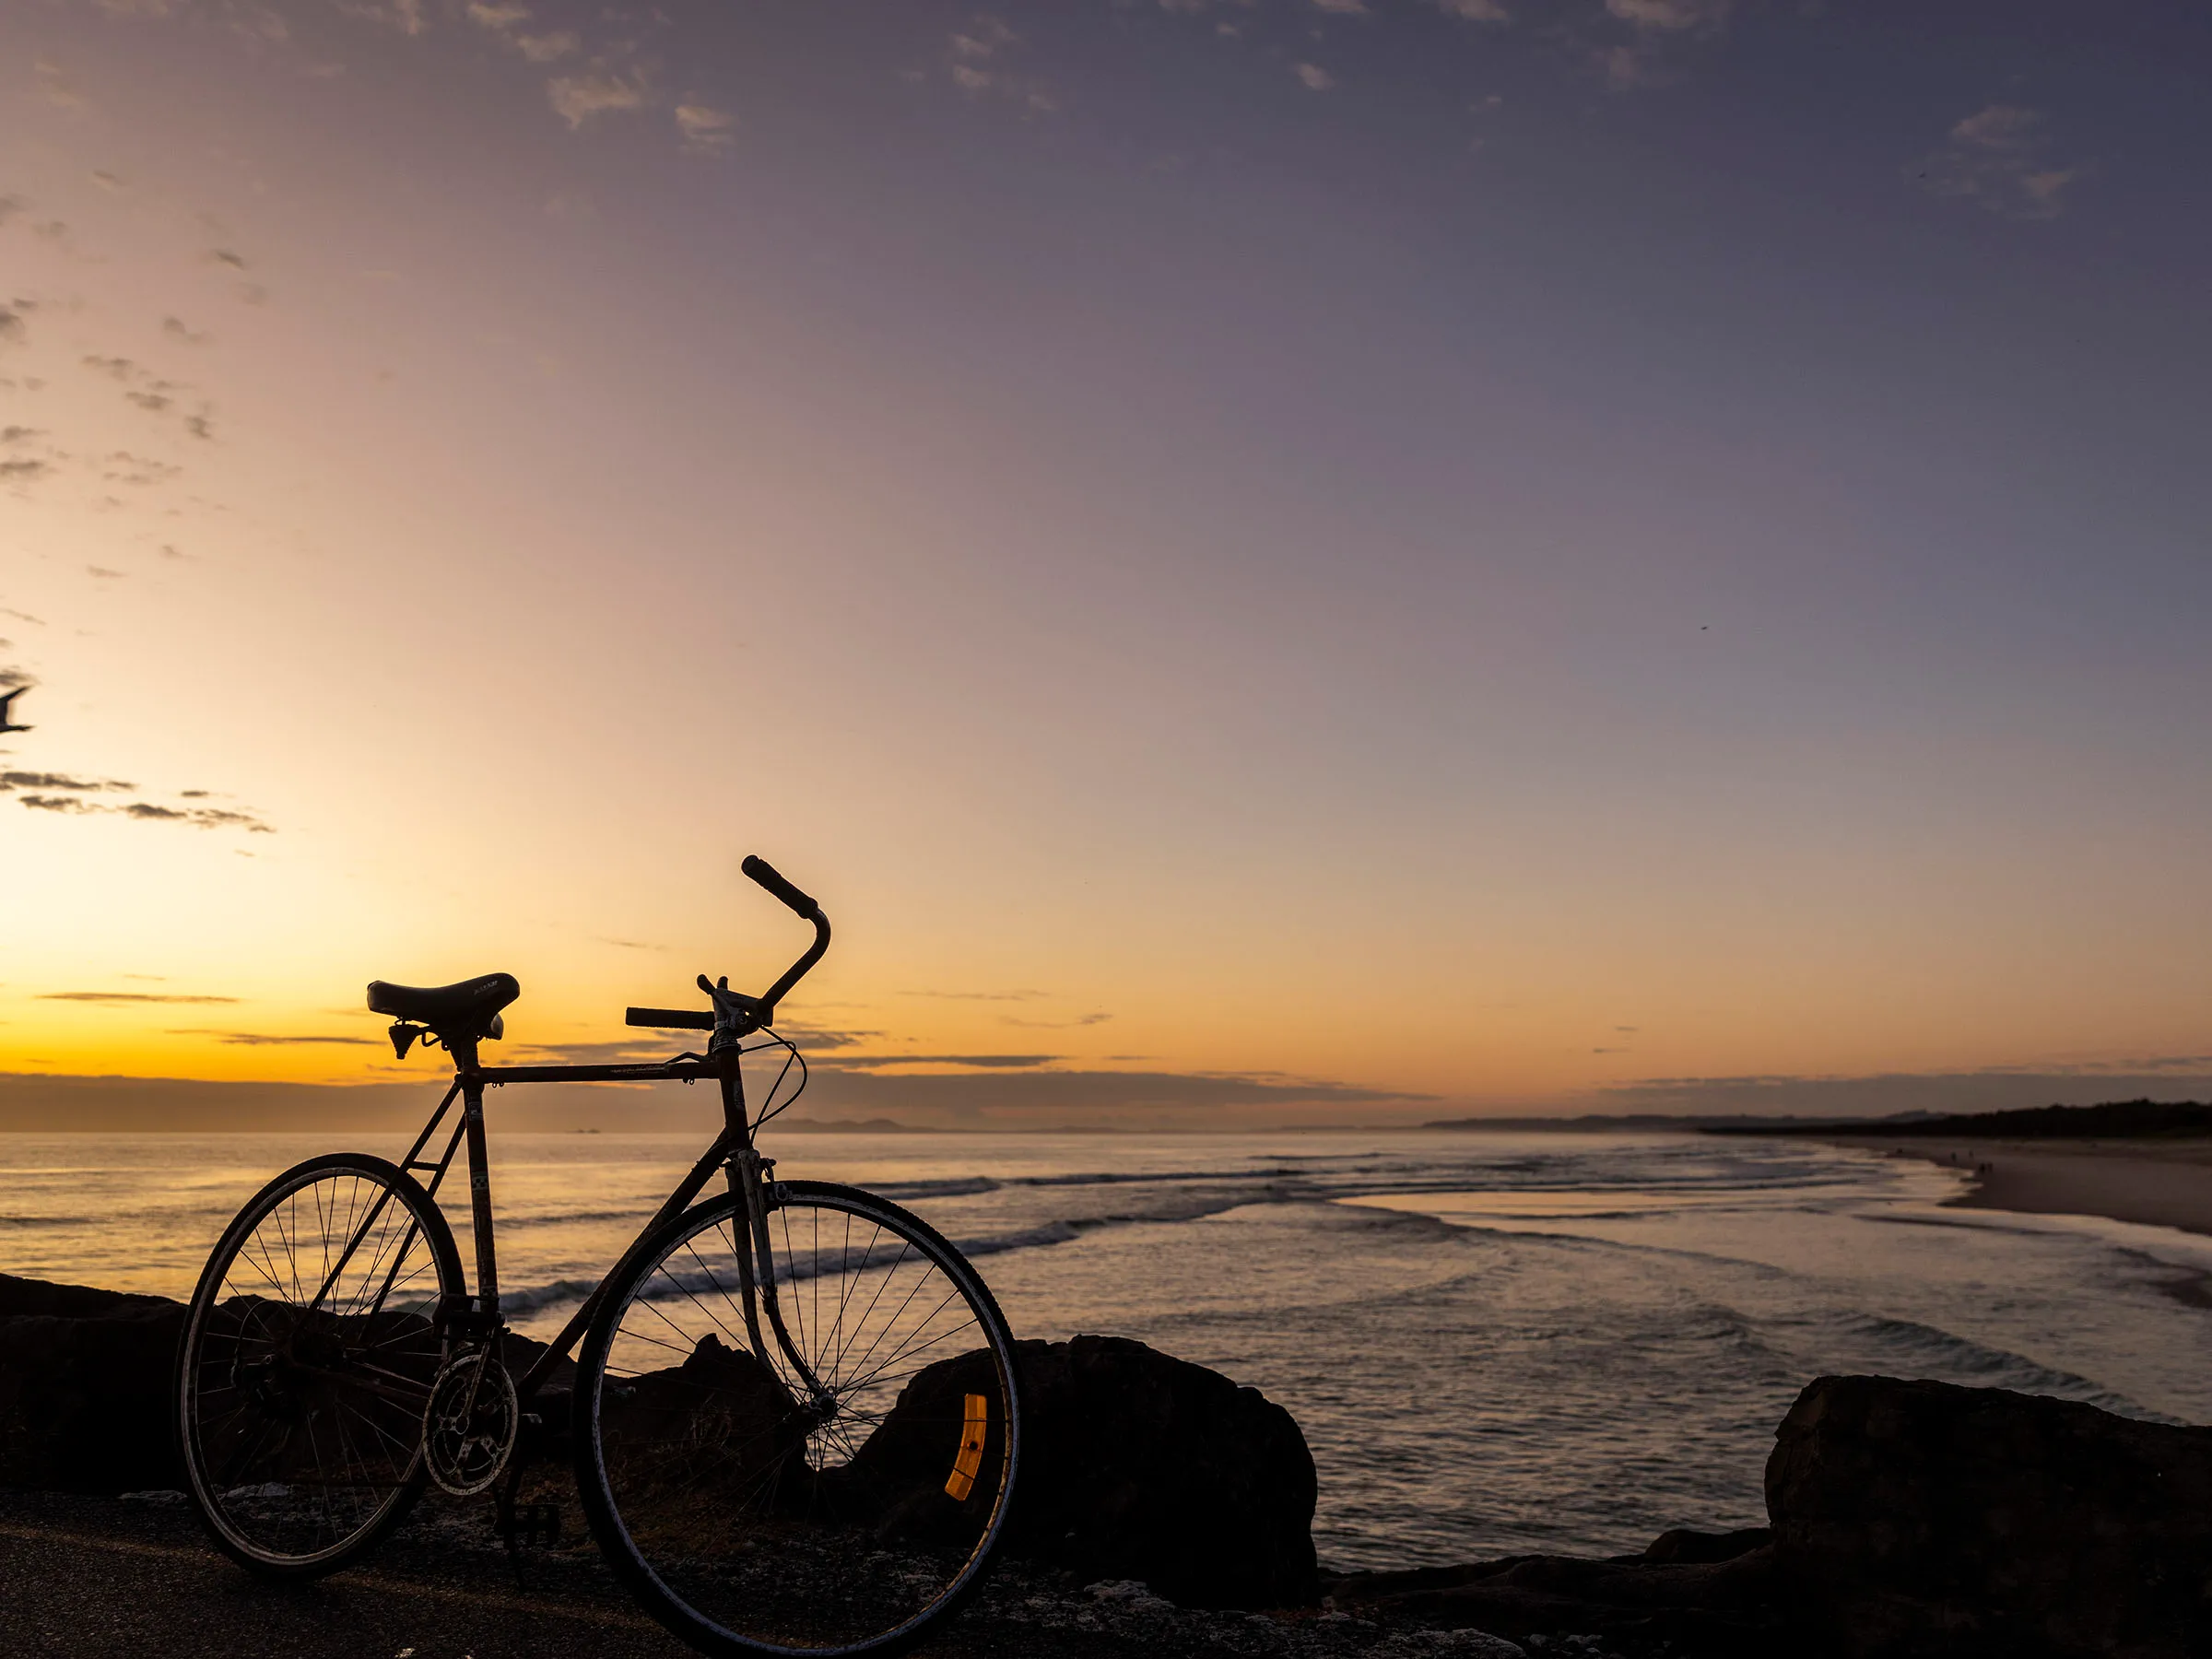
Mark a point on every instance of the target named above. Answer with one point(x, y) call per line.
point(1272, 564)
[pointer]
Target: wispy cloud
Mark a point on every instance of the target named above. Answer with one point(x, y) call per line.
point(39, 780)
point(578, 99)
point(68, 794)
point(978, 996)
point(1312, 77)
point(1671, 16)
point(977, 1062)
point(706, 130)
point(1999, 158)
point(54, 86)
point(128, 996)
point(978, 52)
point(273, 1040)
point(1055, 1094)
point(621, 1050)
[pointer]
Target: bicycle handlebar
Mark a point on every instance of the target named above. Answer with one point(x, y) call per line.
point(669, 1019)
point(762, 871)
point(764, 1008)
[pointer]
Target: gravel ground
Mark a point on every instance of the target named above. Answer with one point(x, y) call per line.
point(95, 1576)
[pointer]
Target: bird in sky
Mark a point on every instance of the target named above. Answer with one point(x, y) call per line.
point(7, 698)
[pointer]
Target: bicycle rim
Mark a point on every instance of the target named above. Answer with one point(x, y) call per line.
point(755, 1511)
point(308, 1354)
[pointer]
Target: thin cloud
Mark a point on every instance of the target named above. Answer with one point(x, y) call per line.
point(977, 67)
point(1671, 16)
point(980, 1062)
point(30, 780)
point(614, 1052)
point(175, 329)
point(54, 86)
point(270, 1040)
point(978, 996)
point(13, 331)
point(128, 996)
point(199, 817)
point(1475, 11)
point(705, 129)
point(578, 99)
point(1312, 77)
point(549, 48)
point(1057, 1024)
point(122, 468)
point(1998, 158)
point(974, 1095)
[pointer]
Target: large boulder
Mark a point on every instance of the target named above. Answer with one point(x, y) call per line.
point(1139, 1466)
point(84, 1387)
point(1920, 1518)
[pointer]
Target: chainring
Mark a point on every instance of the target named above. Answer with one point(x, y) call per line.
point(469, 1429)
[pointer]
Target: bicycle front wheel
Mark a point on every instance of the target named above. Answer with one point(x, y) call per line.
point(309, 1354)
point(812, 1454)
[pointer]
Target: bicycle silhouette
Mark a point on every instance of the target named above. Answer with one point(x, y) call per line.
point(793, 1420)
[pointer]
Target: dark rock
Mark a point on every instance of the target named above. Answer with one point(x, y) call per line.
point(1139, 1466)
point(1716, 1608)
point(1682, 1546)
point(84, 1387)
point(1920, 1518)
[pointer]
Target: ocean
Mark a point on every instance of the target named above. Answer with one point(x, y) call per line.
point(1494, 1343)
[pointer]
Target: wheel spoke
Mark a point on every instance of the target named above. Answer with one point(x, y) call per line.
point(779, 1517)
point(303, 1389)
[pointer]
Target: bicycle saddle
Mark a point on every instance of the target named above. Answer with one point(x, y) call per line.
point(470, 1008)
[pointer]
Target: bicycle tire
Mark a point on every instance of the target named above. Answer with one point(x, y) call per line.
point(274, 1381)
point(742, 1520)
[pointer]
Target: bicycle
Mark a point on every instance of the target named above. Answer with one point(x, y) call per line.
point(793, 1418)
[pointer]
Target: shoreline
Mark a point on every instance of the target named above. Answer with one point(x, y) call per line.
point(2150, 1183)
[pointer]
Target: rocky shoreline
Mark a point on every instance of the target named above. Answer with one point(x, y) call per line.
point(1166, 1509)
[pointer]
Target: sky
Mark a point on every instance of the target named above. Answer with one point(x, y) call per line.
point(1308, 560)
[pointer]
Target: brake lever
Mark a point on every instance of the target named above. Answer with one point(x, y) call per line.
point(736, 1016)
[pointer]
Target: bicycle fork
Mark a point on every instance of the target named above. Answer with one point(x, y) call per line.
point(757, 1274)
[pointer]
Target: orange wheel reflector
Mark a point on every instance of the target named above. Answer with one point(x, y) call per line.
point(970, 1458)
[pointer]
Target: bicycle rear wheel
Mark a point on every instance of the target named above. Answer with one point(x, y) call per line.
point(310, 1351)
point(829, 1474)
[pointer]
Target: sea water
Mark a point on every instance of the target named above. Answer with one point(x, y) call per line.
point(1494, 1343)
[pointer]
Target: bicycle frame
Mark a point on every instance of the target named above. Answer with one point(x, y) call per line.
point(731, 1149)
point(736, 1015)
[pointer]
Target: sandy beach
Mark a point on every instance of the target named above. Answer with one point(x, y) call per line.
point(2158, 1183)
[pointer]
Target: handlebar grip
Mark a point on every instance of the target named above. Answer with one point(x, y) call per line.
point(670, 1019)
point(762, 871)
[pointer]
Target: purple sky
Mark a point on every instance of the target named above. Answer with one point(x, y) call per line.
point(1491, 553)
